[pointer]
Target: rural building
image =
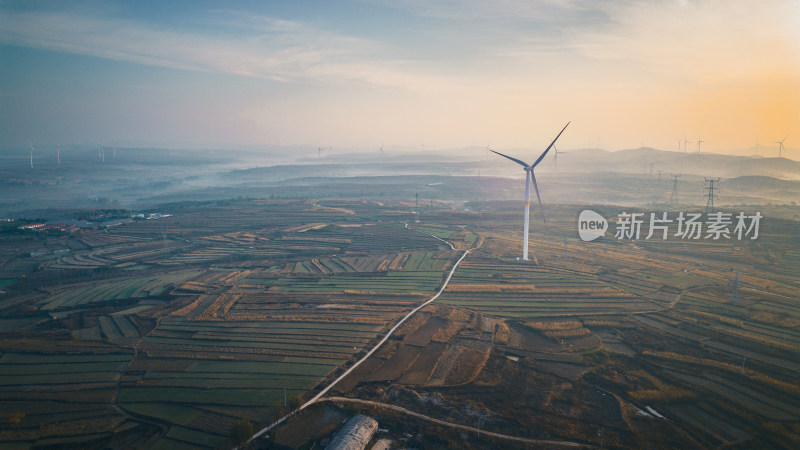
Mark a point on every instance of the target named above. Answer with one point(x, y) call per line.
point(355, 434)
point(31, 226)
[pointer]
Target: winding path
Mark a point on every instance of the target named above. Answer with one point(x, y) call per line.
point(374, 349)
point(549, 443)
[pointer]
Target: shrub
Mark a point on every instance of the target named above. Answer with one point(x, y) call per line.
point(241, 431)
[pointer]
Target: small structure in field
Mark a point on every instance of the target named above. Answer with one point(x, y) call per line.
point(356, 433)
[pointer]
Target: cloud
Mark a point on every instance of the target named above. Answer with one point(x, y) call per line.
point(239, 44)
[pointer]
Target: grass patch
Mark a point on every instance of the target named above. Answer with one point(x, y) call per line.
point(199, 438)
point(238, 397)
point(171, 412)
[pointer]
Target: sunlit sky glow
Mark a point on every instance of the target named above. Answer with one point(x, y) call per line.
point(403, 72)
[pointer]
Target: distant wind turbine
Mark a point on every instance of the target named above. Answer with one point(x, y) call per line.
point(59, 153)
point(530, 178)
point(381, 154)
point(699, 141)
point(31, 156)
point(685, 143)
point(555, 157)
point(780, 145)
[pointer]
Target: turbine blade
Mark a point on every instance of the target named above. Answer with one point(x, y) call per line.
point(536, 188)
point(541, 157)
point(522, 163)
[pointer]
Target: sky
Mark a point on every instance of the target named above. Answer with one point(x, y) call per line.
point(407, 74)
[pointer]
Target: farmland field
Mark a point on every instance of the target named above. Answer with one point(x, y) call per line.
point(245, 309)
point(213, 324)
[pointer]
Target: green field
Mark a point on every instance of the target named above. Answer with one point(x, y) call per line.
point(115, 290)
point(171, 412)
point(196, 437)
point(220, 396)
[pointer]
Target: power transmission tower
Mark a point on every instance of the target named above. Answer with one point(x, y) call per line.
point(710, 188)
point(164, 236)
point(673, 199)
point(416, 207)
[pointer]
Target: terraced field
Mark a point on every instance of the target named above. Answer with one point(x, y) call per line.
point(74, 390)
point(251, 305)
point(139, 287)
point(509, 289)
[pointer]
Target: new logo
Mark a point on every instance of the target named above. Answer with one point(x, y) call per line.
point(591, 225)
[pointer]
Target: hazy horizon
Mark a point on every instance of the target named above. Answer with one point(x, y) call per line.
point(410, 74)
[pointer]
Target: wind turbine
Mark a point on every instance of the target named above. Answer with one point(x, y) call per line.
point(685, 143)
point(555, 157)
point(780, 145)
point(59, 153)
point(530, 178)
point(699, 141)
point(31, 156)
point(381, 155)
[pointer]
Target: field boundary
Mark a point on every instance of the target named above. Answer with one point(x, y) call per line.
point(373, 350)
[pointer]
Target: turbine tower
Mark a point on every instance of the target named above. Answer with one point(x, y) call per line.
point(699, 141)
point(710, 188)
point(59, 153)
point(780, 146)
point(530, 178)
point(31, 156)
